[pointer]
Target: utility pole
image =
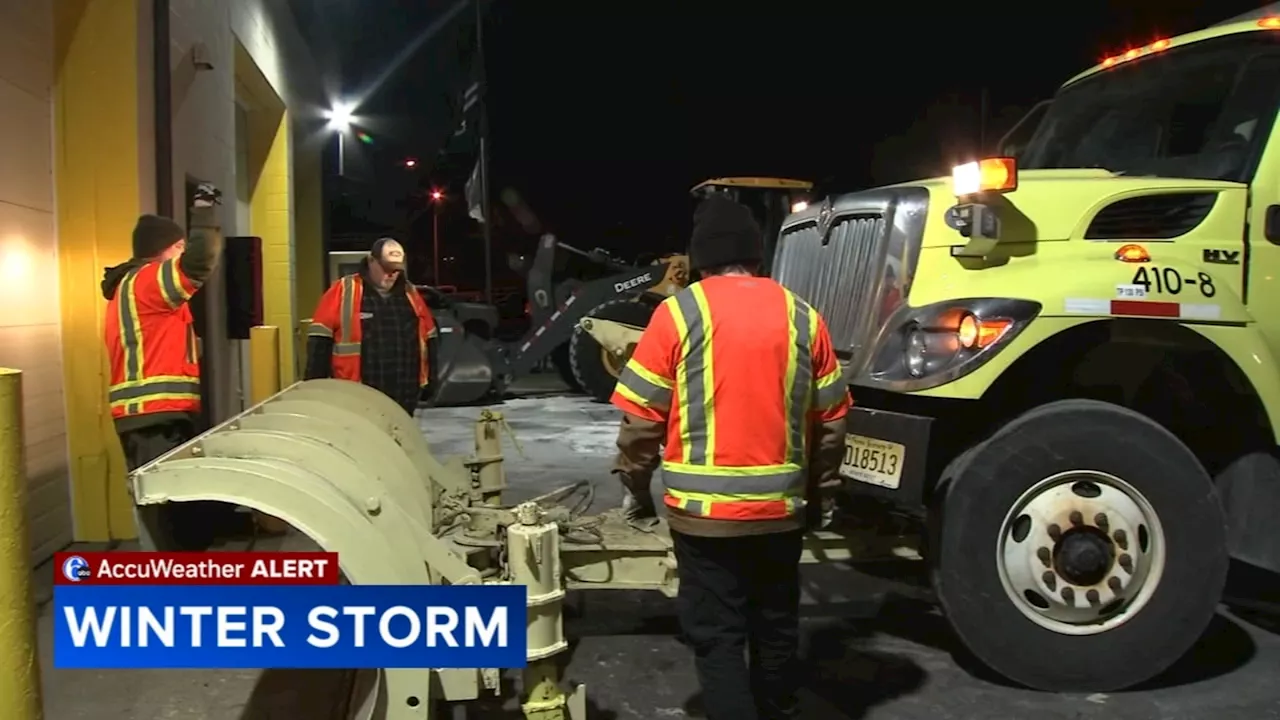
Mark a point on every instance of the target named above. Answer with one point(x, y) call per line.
point(435, 242)
point(484, 156)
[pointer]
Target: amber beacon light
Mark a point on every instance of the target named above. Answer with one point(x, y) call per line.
point(1133, 254)
point(988, 175)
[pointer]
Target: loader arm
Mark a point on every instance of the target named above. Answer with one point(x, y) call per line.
point(615, 337)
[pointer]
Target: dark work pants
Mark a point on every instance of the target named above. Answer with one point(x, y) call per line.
point(739, 606)
point(184, 525)
point(145, 444)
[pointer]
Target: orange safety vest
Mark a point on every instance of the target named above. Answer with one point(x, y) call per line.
point(338, 317)
point(739, 369)
point(154, 367)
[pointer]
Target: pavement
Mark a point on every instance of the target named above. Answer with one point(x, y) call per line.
point(872, 649)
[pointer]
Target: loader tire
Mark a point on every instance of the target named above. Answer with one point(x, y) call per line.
point(596, 370)
point(1082, 548)
point(560, 359)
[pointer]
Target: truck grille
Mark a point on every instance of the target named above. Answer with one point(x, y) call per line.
point(858, 271)
point(838, 278)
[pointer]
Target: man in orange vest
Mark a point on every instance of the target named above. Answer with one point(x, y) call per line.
point(155, 369)
point(374, 327)
point(737, 378)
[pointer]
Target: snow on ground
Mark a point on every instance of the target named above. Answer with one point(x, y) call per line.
point(558, 440)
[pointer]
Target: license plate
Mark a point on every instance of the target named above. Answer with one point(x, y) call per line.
point(873, 461)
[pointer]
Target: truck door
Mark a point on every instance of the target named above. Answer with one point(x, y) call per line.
point(1260, 261)
point(1209, 108)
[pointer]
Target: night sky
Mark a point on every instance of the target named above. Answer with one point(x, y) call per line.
point(603, 115)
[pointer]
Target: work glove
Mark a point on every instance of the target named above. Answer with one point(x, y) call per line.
point(820, 506)
point(206, 195)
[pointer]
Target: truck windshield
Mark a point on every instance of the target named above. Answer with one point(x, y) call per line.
point(1200, 111)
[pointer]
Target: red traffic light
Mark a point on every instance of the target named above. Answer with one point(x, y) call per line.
point(436, 195)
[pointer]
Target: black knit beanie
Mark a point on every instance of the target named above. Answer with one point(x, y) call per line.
point(153, 235)
point(724, 233)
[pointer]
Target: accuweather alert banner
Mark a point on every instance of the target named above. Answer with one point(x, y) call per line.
point(271, 610)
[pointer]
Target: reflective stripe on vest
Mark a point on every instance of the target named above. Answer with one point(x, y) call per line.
point(643, 387)
point(130, 339)
point(419, 311)
point(161, 387)
point(697, 485)
point(171, 284)
point(130, 395)
point(343, 344)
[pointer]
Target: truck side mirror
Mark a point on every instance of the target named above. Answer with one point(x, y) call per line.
point(1271, 230)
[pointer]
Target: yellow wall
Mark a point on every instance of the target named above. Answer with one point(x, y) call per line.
point(308, 228)
point(270, 167)
point(97, 182)
point(269, 220)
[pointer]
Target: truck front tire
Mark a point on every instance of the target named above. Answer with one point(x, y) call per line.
point(1082, 548)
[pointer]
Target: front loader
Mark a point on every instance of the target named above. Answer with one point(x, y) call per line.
point(629, 294)
point(613, 329)
point(623, 291)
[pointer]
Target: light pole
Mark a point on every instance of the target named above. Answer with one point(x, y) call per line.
point(437, 198)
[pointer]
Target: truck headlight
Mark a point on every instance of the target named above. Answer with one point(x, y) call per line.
point(928, 346)
point(916, 355)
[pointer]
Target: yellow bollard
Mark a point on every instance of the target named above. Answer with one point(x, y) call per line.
point(264, 362)
point(19, 664)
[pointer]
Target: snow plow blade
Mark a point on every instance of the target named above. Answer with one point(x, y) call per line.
point(347, 467)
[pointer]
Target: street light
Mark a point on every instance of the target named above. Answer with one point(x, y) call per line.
point(411, 163)
point(437, 199)
point(340, 118)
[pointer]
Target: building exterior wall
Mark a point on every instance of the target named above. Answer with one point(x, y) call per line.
point(260, 62)
point(29, 336)
point(104, 165)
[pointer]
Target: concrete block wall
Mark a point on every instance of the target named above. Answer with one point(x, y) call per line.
point(29, 323)
point(288, 203)
point(204, 131)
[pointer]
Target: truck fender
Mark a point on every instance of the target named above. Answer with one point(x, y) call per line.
point(1249, 351)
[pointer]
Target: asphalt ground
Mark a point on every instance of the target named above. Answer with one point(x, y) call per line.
point(872, 647)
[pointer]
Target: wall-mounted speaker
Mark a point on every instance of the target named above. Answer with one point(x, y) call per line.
point(242, 263)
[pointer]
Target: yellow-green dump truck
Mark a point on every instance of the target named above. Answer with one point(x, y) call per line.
point(1064, 364)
